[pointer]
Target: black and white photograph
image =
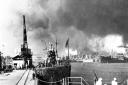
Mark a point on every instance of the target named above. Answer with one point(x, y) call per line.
point(63, 42)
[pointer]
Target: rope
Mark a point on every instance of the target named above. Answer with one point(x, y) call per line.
point(50, 82)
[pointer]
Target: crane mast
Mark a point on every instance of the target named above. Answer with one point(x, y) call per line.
point(25, 51)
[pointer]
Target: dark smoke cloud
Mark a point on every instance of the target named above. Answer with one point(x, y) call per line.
point(80, 19)
point(38, 22)
point(99, 17)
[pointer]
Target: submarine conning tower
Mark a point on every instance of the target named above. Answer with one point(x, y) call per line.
point(26, 53)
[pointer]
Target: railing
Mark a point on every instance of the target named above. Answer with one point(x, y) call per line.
point(81, 81)
point(68, 81)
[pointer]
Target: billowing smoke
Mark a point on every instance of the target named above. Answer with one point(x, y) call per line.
point(112, 43)
point(90, 24)
point(109, 43)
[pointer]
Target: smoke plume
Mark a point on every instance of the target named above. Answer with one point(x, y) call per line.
point(88, 23)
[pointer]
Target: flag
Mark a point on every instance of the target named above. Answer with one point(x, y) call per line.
point(67, 43)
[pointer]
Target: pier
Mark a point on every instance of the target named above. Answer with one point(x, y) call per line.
point(17, 77)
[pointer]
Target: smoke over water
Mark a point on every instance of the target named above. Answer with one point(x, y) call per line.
point(91, 25)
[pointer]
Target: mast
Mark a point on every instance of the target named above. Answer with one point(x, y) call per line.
point(68, 46)
point(56, 48)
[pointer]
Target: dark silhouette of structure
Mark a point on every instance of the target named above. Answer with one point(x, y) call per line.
point(0, 62)
point(26, 53)
point(51, 57)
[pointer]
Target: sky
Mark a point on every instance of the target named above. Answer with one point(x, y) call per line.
point(91, 25)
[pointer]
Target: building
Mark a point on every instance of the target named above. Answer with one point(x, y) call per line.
point(18, 62)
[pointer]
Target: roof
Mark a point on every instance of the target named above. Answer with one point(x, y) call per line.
point(18, 57)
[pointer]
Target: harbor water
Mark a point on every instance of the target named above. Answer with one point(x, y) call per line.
point(105, 70)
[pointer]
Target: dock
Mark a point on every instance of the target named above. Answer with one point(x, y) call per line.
point(17, 77)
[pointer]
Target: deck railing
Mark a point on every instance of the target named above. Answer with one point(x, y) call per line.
point(68, 81)
point(80, 81)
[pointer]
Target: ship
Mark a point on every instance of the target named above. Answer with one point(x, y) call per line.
point(53, 71)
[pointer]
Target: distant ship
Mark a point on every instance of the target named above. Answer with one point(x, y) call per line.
point(120, 58)
point(88, 60)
